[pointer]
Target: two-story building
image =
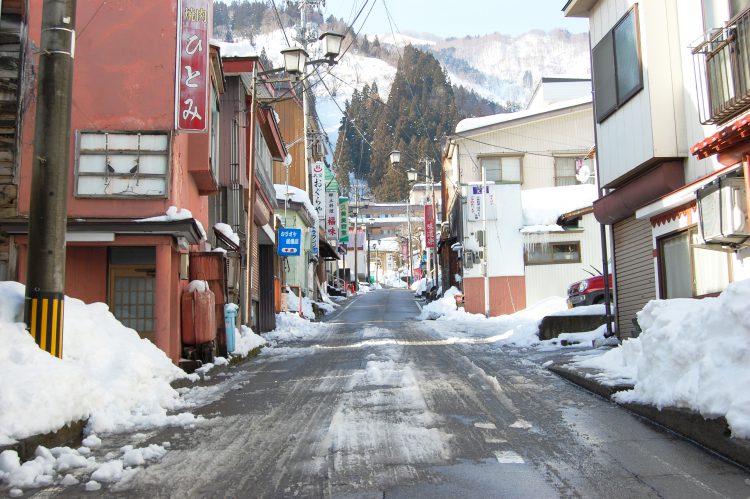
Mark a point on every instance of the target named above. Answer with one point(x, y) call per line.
point(513, 250)
point(671, 104)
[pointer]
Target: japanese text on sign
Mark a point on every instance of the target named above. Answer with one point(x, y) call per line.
point(429, 224)
point(344, 219)
point(318, 189)
point(332, 215)
point(191, 108)
point(290, 242)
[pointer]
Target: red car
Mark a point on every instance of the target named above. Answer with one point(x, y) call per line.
point(588, 291)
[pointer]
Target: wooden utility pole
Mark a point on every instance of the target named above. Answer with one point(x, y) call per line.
point(45, 276)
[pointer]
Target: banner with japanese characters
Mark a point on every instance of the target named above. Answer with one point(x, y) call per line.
point(318, 189)
point(332, 215)
point(193, 25)
point(344, 219)
point(429, 226)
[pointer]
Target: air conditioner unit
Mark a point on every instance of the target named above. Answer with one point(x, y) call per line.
point(722, 212)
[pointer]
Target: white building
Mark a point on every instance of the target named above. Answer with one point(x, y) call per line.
point(542, 147)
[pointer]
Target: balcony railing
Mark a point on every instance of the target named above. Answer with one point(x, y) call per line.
point(722, 71)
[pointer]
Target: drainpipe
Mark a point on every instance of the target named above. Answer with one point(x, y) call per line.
point(602, 227)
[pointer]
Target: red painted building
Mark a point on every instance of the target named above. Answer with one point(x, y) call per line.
point(129, 162)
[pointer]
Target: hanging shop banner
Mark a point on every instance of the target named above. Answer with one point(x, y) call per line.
point(429, 226)
point(332, 212)
point(314, 236)
point(290, 242)
point(318, 189)
point(344, 219)
point(191, 108)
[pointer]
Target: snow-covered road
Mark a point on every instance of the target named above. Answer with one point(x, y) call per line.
point(373, 403)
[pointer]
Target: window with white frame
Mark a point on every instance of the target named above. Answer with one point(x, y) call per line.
point(124, 164)
point(503, 169)
point(688, 271)
point(617, 71)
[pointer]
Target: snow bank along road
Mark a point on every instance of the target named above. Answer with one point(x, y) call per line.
point(374, 405)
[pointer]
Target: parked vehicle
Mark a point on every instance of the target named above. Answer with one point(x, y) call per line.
point(588, 291)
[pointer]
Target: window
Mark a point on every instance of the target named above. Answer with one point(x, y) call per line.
point(132, 280)
point(568, 168)
point(687, 271)
point(617, 66)
point(552, 253)
point(503, 169)
point(122, 164)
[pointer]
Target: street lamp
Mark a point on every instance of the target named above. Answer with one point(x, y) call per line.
point(413, 175)
point(332, 43)
point(296, 59)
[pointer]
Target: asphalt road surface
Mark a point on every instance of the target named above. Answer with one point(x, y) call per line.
point(378, 408)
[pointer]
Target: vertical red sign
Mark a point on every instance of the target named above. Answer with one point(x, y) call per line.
point(429, 226)
point(191, 106)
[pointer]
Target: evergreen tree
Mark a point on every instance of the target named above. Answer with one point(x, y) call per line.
point(421, 110)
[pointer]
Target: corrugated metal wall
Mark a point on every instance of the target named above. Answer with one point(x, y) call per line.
point(543, 281)
point(255, 278)
point(634, 266)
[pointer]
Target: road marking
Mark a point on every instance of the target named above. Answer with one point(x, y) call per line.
point(508, 457)
point(495, 441)
point(522, 424)
point(486, 426)
point(419, 343)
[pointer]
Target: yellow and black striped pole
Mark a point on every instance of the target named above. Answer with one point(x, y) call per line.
point(45, 316)
point(45, 276)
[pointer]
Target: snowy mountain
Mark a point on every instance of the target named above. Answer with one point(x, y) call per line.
point(500, 68)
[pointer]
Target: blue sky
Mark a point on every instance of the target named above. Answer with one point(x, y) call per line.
point(451, 18)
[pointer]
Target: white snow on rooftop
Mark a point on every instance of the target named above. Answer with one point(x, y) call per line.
point(295, 195)
point(542, 207)
point(496, 119)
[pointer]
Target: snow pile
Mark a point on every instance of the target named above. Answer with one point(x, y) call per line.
point(108, 374)
point(226, 231)
point(393, 280)
point(294, 195)
point(65, 466)
point(197, 286)
point(542, 207)
point(692, 353)
point(290, 327)
point(245, 341)
point(421, 285)
point(174, 213)
point(444, 306)
point(293, 304)
point(518, 329)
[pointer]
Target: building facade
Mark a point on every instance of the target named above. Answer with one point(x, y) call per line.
point(671, 97)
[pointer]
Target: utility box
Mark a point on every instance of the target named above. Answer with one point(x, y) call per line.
point(198, 317)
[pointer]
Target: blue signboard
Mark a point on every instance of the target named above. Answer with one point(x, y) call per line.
point(290, 242)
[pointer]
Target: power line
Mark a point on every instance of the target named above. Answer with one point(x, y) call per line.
point(281, 25)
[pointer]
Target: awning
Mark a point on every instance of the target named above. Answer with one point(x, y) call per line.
point(624, 201)
point(187, 228)
point(681, 196)
point(327, 251)
point(723, 139)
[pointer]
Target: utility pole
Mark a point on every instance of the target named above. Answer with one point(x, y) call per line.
point(45, 275)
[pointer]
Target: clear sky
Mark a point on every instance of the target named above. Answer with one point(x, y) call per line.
point(457, 18)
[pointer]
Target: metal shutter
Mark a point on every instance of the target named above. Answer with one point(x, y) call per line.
point(634, 272)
